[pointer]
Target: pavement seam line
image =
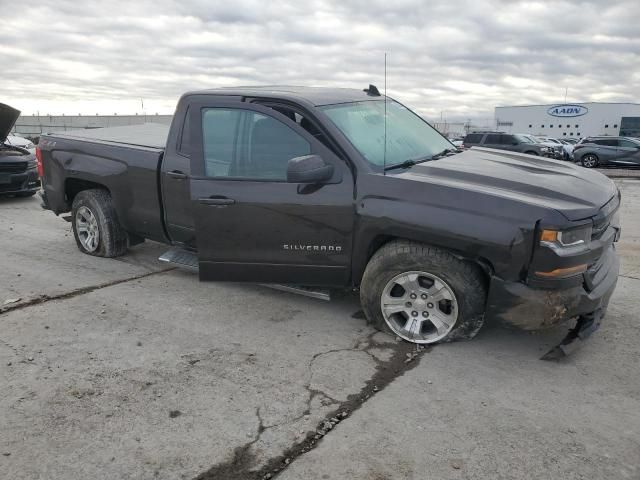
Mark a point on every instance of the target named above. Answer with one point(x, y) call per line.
point(77, 292)
point(630, 277)
point(240, 467)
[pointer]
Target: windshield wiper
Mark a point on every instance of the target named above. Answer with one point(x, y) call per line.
point(444, 153)
point(414, 161)
point(407, 163)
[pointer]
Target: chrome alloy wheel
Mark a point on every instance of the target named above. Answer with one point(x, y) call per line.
point(419, 307)
point(87, 228)
point(589, 161)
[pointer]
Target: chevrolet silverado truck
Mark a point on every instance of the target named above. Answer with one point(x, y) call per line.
point(18, 167)
point(347, 188)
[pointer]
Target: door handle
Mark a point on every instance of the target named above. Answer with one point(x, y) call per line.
point(177, 174)
point(217, 201)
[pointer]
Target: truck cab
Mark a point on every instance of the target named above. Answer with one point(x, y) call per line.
point(226, 168)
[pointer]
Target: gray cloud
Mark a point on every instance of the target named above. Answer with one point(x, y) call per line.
point(462, 58)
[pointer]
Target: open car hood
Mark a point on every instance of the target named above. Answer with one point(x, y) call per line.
point(8, 117)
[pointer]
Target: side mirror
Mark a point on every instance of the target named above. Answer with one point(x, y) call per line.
point(308, 169)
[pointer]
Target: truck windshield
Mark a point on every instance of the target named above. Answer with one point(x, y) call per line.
point(409, 137)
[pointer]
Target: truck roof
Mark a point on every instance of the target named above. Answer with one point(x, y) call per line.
point(317, 96)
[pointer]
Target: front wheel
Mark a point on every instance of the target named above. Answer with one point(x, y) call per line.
point(423, 294)
point(590, 161)
point(95, 224)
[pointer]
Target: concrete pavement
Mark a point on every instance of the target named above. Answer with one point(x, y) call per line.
point(124, 370)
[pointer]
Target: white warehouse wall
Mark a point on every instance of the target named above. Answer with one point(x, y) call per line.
point(569, 120)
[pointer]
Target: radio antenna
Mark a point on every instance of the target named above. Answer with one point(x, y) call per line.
point(384, 151)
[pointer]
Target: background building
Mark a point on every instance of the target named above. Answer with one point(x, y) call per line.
point(571, 120)
point(32, 126)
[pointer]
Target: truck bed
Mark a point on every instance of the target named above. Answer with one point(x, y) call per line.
point(149, 135)
point(124, 160)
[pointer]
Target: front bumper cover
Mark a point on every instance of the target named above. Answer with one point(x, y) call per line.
point(530, 308)
point(23, 182)
point(585, 326)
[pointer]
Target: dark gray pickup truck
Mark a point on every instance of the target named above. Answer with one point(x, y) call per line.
point(346, 188)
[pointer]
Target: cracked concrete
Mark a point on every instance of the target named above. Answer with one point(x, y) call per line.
point(128, 372)
point(91, 373)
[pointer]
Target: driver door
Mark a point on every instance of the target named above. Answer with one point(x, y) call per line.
point(251, 224)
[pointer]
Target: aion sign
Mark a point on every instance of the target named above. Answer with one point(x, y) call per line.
point(567, 110)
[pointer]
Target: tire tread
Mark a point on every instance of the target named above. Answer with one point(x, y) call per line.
point(114, 240)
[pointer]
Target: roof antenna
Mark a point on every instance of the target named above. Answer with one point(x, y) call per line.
point(384, 151)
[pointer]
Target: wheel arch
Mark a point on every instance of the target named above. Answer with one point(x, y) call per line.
point(73, 186)
point(590, 153)
point(379, 241)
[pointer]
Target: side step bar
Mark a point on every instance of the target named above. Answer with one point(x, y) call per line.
point(299, 290)
point(181, 258)
point(189, 261)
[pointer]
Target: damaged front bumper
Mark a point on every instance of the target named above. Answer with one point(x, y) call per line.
point(532, 308)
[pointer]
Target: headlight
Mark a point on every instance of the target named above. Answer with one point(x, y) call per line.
point(544, 149)
point(29, 145)
point(566, 238)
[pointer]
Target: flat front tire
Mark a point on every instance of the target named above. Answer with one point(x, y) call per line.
point(95, 224)
point(423, 294)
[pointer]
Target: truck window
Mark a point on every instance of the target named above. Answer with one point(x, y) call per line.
point(244, 144)
point(492, 139)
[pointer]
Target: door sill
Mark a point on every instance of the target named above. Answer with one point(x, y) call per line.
point(188, 260)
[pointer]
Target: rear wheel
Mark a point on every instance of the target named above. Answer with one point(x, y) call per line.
point(590, 160)
point(423, 294)
point(95, 225)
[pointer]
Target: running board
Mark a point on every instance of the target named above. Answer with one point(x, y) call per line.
point(298, 290)
point(189, 261)
point(181, 258)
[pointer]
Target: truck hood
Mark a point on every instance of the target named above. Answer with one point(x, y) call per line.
point(8, 117)
point(574, 191)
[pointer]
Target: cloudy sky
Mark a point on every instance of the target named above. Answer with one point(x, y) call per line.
point(455, 59)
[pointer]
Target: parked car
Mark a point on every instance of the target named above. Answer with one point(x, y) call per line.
point(567, 150)
point(19, 141)
point(294, 185)
point(595, 151)
point(18, 169)
point(504, 141)
point(554, 145)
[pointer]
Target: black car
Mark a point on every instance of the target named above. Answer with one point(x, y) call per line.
point(347, 189)
point(506, 141)
point(18, 167)
point(594, 151)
